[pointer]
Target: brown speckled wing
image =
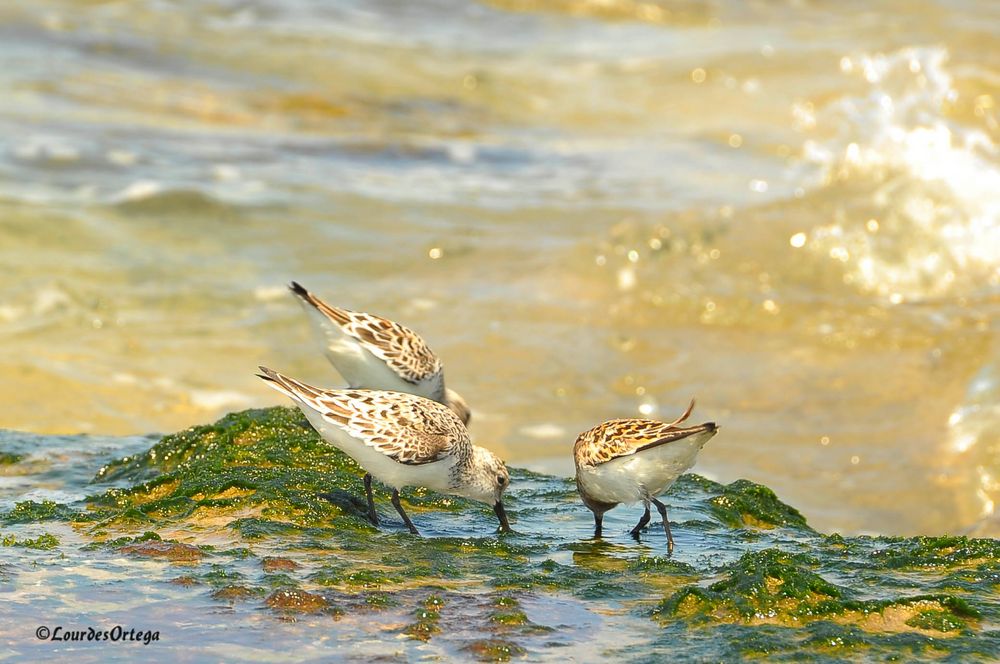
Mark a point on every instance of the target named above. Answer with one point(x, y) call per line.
point(406, 428)
point(402, 349)
point(622, 437)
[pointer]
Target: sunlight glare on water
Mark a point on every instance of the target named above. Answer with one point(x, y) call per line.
point(589, 209)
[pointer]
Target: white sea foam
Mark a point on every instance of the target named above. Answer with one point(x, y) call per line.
point(48, 299)
point(138, 191)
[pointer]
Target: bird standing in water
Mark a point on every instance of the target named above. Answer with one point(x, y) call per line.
point(635, 460)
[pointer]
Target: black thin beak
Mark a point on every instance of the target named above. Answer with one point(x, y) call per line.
point(502, 515)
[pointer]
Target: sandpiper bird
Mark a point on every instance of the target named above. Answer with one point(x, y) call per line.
point(632, 460)
point(374, 353)
point(403, 440)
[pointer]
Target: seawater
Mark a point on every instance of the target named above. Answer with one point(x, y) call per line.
point(590, 210)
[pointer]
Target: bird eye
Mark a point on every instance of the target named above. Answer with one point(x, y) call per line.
point(501, 479)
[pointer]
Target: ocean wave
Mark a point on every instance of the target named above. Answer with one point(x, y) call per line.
point(153, 198)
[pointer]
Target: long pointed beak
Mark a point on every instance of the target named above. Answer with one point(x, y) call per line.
point(502, 515)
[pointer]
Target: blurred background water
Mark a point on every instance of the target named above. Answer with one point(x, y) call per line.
point(590, 208)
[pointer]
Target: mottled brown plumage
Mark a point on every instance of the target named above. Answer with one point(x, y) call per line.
point(401, 348)
point(406, 428)
point(621, 437)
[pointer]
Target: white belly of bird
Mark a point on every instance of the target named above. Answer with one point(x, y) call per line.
point(643, 475)
point(434, 476)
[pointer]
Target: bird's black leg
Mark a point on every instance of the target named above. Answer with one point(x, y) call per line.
point(399, 508)
point(598, 522)
point(372, 516)
point(642, 523)
point(666, 524)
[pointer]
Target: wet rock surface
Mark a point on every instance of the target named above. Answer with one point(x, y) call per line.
point(238, 504)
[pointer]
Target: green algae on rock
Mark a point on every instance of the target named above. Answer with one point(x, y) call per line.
point(29, 511)
point(238, 504)
point(745, 503)
point(268, 461)
point(427, 617)
point(45, 541)
point(9, 458)
point(494, 650)
point(235, 592)
point(770, 586)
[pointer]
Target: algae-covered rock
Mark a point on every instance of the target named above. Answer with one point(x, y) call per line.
point(10, 458)
point(265, 515)
point(267, 465)
point(762, 585)
point(30, 511)
point(772, 587)
point(494, 650)
point(745, 503)
point(297, 601)
point(44, 542)
point(426, 619)
point(236, 592)
point(186, 580)
point(175, 551)
point(279, 565)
